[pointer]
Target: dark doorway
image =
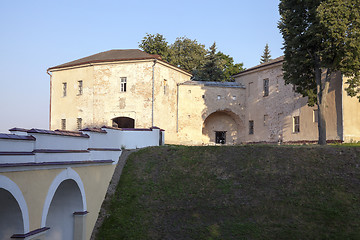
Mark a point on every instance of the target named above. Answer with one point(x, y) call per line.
point(123, 122)
point(220, 137)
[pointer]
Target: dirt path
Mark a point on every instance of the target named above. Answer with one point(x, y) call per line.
point(111, 189)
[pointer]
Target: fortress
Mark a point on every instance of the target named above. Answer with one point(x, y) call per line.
point(130, 88)
point(53, 182)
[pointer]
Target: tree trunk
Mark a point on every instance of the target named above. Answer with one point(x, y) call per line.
point(322, 90)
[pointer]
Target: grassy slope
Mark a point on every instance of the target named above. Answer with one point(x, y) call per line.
point(243, 192)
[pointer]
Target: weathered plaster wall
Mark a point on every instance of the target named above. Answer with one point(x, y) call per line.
point(102, 99)
point(351, 116)
point(281, 105)
point(197, 102)
point(73, 105)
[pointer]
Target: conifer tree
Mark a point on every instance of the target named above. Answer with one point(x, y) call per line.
point(266, 57)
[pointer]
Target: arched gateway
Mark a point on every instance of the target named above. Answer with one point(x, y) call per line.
point(222, 127)
point(123, 122)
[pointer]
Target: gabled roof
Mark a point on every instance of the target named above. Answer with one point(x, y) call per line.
point(110, 56)
point(266, 64)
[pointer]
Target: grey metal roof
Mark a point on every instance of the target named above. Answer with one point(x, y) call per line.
point(214, 84)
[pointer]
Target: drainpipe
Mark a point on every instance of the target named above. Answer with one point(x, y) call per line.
point(47, 71)
point(153, 89)
point(177, 107)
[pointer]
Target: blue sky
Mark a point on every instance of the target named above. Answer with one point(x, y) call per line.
point(39, 34)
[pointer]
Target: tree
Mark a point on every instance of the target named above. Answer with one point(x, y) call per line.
point(212, 69)
point(266, 57)
point(320, 37)
point(228, 66)
point(155, 44)
point(187, 54)
point(206, 65)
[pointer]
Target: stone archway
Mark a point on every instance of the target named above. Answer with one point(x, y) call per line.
point(65, 198)
point(123, 122)
point(60, 219)
point(14, 216)
point(222, 127)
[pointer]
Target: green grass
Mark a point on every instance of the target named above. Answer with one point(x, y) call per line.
point(241, 192)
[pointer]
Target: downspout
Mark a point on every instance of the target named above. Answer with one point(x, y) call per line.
point(177, 108)
point(153, 90)
point(47, 71)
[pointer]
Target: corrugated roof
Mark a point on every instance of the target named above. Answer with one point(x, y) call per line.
point(271, 62)
point(110, 56)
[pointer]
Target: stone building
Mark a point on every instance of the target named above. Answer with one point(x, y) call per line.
point(130, 88)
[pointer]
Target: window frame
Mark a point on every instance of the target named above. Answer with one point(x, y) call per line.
point(266, 87)
point(64, 87)
point(251, 127)
point(315, 115)
point(80, 87)
point(296, 124)
point(123, 83)
point(63, 124)
point(79, 123)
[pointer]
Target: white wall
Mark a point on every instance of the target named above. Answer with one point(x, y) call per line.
point(88, 145)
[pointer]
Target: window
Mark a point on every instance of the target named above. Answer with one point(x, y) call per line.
point(296, 124)
point(80, 87)
point(123, 84)
point(63, 124)
point(250, 88)
point(165, 86)
point(251, 127)
point(315, 115)
point(64, 89)
point(266, 87)
point(265, 120)
point(79, 123)
point(220, 137)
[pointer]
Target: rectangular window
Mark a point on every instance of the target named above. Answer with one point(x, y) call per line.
point(80, 87)
point(220, 137)
point(165, 86)
point(79, 123)
point(265, 120)
point(64, 89)
point(250, 88)
point(63, 124)
point(123, 84)
point(296, 124)
point(315, 115)
point(251, 127)
point(266, 87)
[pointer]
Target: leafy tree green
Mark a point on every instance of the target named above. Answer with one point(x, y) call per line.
point(266, 57)
point(155, 44)
point(321, 37)
point(228, 66)
point(187, 54)
point(192, 56)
